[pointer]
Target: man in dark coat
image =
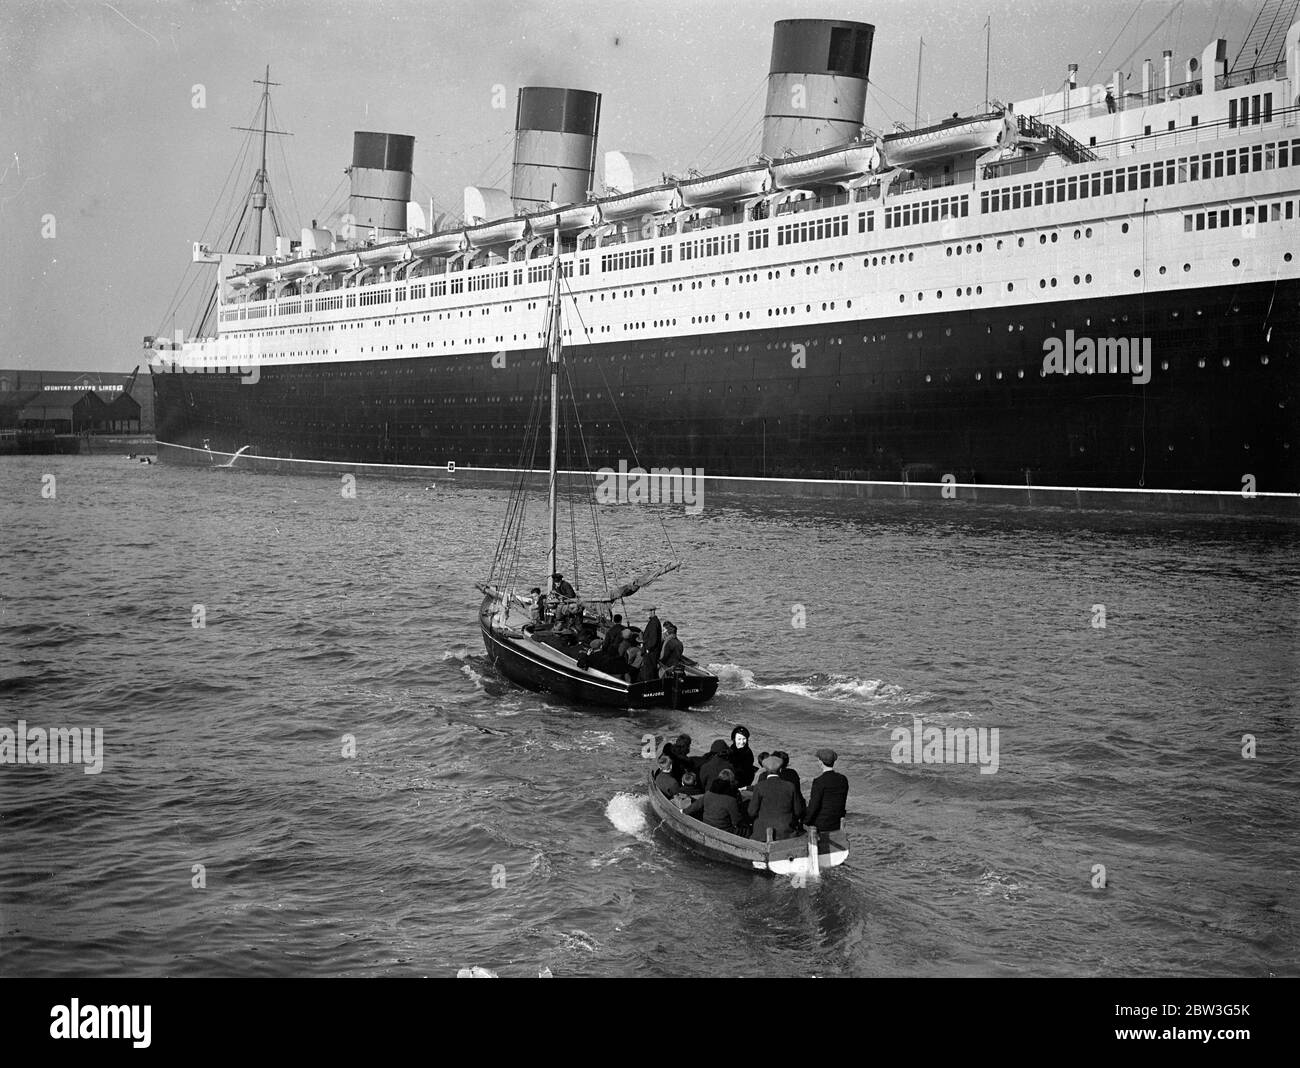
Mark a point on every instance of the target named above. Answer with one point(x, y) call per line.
point(651, 640)
point(714, 763)
point(775, 804)
point(717, 808)
point(560, 586)
point(668, 783)
point(830, 795)
point(741, 756)
point(670, 654)
point(788, 773)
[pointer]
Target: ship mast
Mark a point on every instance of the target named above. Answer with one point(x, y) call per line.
point(259, 182)
point(553, 357)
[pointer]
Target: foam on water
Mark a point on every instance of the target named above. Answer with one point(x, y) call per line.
point(627, 812)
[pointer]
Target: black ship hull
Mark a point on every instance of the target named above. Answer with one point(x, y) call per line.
point(911, 399)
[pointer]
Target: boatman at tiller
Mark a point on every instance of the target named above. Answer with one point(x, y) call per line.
point(830, 795)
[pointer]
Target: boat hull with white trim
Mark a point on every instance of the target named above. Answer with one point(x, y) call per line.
point(784, 856)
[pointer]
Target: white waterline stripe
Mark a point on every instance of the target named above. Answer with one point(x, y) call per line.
point(753, 478)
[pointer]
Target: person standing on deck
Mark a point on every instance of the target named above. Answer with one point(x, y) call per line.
point(670, 656)
point(651, 639)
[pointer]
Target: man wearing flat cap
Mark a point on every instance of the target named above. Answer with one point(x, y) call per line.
point(775, 803)
point(830, 795)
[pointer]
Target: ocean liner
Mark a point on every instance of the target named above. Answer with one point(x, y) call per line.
point(1093, 291)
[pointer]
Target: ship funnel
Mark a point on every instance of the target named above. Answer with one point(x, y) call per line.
point(381, 185)
point(555, 147)
point(816, 85)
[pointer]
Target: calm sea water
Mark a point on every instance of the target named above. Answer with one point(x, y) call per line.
point(480, 825)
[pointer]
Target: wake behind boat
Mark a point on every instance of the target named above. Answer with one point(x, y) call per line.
point(556, 640)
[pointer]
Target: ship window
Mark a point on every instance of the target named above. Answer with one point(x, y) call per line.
point(1218, 165)
point(1236, 216)
point(1268, 107)
point(1038, 194)
point(1145, 180)
point(1232, 114)
point(1096, 185)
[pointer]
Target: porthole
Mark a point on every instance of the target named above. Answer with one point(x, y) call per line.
point(1042, 283)
point(1076, 279)
point(1264, 360)
point(1137, 272)
point(1076, 235)
point(1087, 278)
point(1163, 269)
point(1020, 374)
point(1164, 365)
point(1054, 237)
point(1201, 362)
point(999, 376)
point(1287, 257)
point(1227, 361)
point(1011, 286)
point(1236, 262)
point(978, 375)
point(949, 250)
point(927, 378)
point(999, 244)
point(1124, 229)
point(1088, 232)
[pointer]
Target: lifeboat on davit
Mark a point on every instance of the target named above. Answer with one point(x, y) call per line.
point(502, 232)
point(443, 244)
point(381, 255)
point(725, 188)
point(822, 168)
point(569, 220)
point(946, 139)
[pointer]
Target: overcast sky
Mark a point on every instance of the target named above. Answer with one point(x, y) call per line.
point(99, 131)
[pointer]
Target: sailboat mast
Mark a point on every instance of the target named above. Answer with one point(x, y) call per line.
point(553, 356)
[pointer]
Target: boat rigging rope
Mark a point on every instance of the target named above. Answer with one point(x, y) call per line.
point(609, 392)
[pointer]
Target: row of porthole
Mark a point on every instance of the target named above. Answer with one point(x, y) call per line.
point(1226, 361)
point(880, 261)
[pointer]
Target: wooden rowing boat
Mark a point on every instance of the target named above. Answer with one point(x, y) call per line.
point(804, 855)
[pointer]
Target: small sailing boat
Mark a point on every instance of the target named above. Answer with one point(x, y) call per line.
point(550, 640)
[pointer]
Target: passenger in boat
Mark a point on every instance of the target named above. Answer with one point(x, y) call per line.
point(741, 756)
point(691, 784)
point(614, 634)
point(830, 795)
point(624, 644)
point(561, 587)
point(714, 763)
point(788, 773)
point(679, 752)
point(670, 657)
point(665, 779)
point(532, 602)
point(775, 803)
point(717, 808)
point(635, 661)
point(651, 640)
